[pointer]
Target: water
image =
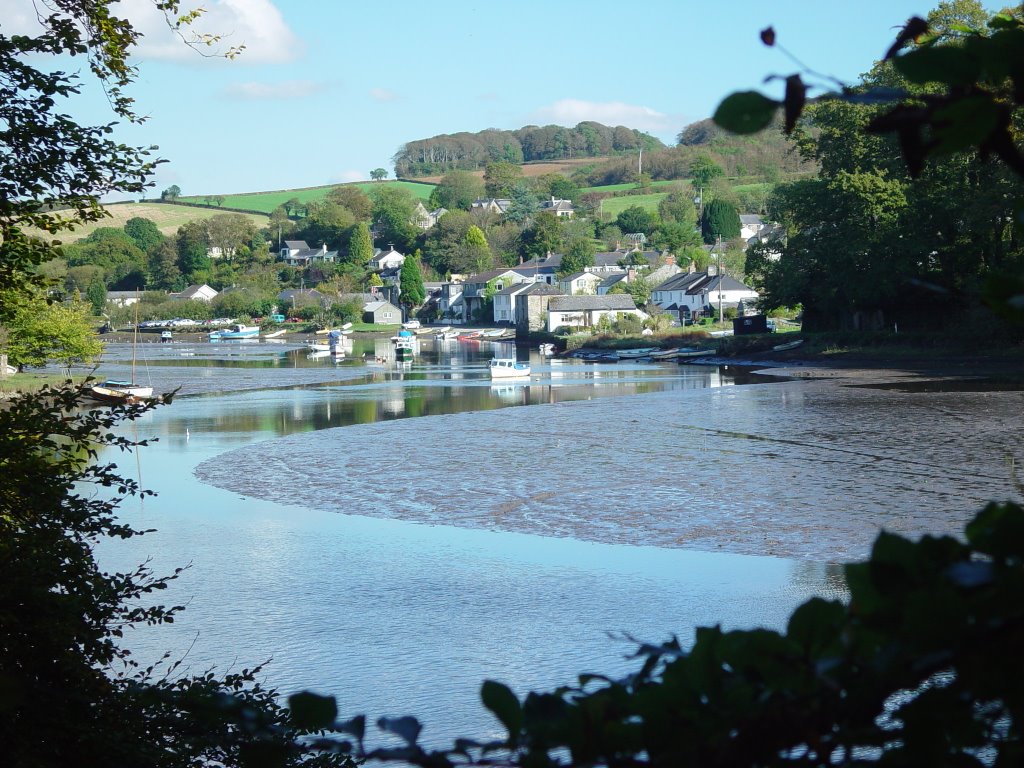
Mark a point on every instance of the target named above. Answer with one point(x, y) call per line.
point(394, 536)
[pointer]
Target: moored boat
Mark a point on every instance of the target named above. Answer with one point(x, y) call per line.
point(236, 331)
point(274, 334)
point(508, 368)
point(116, 392)
point(630, 354)
point(787, 345)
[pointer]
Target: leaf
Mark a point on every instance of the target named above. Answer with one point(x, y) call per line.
point(949, 65)
point(964, 123)
point(356, 726)
point(815, 624)
point(971, 574)
point(913, 29)
point(796, 97)
point(312, 712)
point(745, 112)
point(407, 727)
point(504, 705)
point(998, 530)
point(768, 36)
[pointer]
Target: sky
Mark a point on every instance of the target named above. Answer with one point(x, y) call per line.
point(324, 92)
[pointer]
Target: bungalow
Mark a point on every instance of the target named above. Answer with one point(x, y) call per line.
point(381, 313)
point(561, 208)
point(385, 260)
point(587, 311)
point(196, 293)
point(295, 253)
point(580, 283)
point(695, 293)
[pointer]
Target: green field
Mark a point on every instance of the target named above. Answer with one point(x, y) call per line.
point(166, 216)
point(623, 187)
point(268, 201)
point(613, 206)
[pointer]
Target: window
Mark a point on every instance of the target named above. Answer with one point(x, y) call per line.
point(386, 315)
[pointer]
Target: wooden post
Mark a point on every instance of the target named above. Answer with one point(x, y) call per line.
point(3, 365)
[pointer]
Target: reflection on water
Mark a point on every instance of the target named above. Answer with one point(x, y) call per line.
point(396, 617)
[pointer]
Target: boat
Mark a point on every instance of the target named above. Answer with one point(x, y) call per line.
point(508, 368)
point(117, 392)
point(787, 345)
point(495, 334)
point(630, 354)
point(669, 354)
point(405, 345)
point(469, 336)
point(694, 353)
point(446, 335)
point(275, 334)
point(546, 349)
point(236, 331)
point(166, 336)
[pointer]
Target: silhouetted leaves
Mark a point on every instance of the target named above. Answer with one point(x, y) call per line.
point(745, 112)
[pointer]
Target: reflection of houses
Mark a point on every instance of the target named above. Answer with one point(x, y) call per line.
point(295, 253)
point(561, 208)
point(694, 293)
point(587, 311)
point(381, 313)
point(196, 293)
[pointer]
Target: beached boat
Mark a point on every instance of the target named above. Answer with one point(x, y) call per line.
point(508, 368)
point(446, 335)
point(470, 336)
point(631, 354)
point(683, 357)
point(495, 334)
point(236, 331)
point(116, 392)
point(669, 354)
point(787, 345)
point(274, 334)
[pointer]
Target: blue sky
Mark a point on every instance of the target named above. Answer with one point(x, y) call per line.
point(325, 92)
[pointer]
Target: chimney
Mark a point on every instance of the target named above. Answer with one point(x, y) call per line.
point(691, 269)
point(630, 275)
point(712, 270)
point(670, 259)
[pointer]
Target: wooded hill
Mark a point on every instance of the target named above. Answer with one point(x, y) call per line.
point(472, 151)
point(767, 156)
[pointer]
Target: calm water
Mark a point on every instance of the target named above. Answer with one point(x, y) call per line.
point(395, 535)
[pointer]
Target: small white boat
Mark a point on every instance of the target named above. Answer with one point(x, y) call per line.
point(787, 345)
point(275, 334)
point(236, 331)
point(495, 334)
point(632, 354)
point(694, 353)
point(508, 368)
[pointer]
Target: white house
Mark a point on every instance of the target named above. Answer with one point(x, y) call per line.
point(580, 283)
point(701, 292)
point(563, 209)
point(587, 311)
point(295, 253)
point(505, 302)
point(389, 259)
point(196, 292)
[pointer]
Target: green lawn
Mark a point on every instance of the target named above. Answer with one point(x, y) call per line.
point(268, 201)
point(613, 206)
point(623, 187)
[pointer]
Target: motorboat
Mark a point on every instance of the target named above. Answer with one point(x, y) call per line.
point(236, 331)
point(508, 368)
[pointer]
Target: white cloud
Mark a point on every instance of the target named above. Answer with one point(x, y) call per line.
point(347, 176)
point(19, 17)
point(289, 89)
point(572, 111)
point(256, 24)
point(383, 95)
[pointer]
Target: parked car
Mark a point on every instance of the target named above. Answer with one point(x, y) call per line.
point(410, 324)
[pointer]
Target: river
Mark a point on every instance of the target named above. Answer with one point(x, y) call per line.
point(394, 535)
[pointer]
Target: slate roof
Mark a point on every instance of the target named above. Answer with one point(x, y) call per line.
point(513, 289)
point(578, 275)
point(695, 282)
point(611, 280)
point(541, 289)
point(486, 277)
point(621, 302)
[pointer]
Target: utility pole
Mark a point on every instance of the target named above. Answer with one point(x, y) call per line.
point(721, 312)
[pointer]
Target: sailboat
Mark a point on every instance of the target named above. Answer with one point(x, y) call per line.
point(116, 391)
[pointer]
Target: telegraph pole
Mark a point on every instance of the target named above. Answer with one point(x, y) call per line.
point(721, 312)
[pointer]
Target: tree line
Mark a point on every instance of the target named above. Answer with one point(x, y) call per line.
point(472, 151)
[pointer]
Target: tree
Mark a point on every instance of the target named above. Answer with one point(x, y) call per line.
point(229, 232)
point(144, 233)
point(523, 206)
point(703, 169)
point(96, 293)
point(164, 274)
point(172, 193)
point(457, 189)
point(393, 211)
point(354, 199)
point(579, 254)
point(674, 237)
point(475, 254)
point(41, 331)
point(543, 236)
point(360, 245)
point(193, 241)
point(411, 283)
point(636, 219)
point(378, 174)
point(720, 220)
point(122, 261)
point(677, 207)
point(500, 177)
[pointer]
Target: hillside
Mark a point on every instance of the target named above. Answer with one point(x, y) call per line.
point(265, 202)
point(550, 143)
point(167, 216)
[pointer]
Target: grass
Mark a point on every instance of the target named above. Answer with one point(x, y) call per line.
point(629, 185)
point(33, 382)
point(613, 206)
point(166, 216)
point(268, 201)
